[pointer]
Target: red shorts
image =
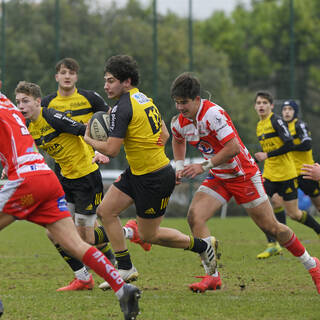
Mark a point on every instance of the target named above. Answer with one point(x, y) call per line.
point(249, 193)
point(38, 198)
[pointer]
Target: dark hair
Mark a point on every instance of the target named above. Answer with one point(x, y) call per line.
point(293, 105)
point(123, 67)
point(185, 86)
point(69, 63)
point(264, 94)
point(28, 88)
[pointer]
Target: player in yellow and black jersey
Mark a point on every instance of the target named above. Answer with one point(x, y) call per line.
point(61, 137)
point(280, 174)
point(78, 104)
point(149, 181)
point(302, 154)
point(81, 180)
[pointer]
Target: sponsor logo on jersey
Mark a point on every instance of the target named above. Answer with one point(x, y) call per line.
point(78, 104)
point(32, 149)
point(205, 147)
point(140, 98)
point(112, 121)
point(44, 129)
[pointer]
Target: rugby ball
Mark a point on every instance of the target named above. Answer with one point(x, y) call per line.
point(99, 126)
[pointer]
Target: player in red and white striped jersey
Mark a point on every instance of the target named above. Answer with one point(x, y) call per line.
point(33, 193)
point(214, 129)
point(21, 157)
point(232, 172)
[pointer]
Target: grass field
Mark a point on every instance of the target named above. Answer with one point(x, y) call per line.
point(275, 289)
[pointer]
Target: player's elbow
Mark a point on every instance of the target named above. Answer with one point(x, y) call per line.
point(112, 153)
point(234, 148)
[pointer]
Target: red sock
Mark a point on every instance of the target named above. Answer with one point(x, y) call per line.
point(99, 263)
point(295, 246)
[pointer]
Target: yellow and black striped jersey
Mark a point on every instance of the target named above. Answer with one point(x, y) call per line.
point(302, 143)
point(273, 134)
point(80, 106)
point(137, 120)
point(59, 136)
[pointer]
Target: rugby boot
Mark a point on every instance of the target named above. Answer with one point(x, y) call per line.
point(77, 284)
point(136, 238)
point(272, 249)
point(208, 257)
point(207, 283)
point(315, 274)
point(127, 275)
point(129, 302)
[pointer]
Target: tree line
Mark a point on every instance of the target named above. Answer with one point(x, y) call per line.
point(233, 55)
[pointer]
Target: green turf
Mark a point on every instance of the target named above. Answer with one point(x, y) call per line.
point(275, 289)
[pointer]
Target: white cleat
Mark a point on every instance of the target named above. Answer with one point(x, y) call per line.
point(127, 275)
point(208, 257)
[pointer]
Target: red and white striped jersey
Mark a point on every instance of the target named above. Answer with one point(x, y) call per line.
point(18, 153)
point(212, 130)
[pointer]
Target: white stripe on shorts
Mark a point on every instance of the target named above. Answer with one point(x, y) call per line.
point(8, 190)
point(256, 180)
point(212, 193)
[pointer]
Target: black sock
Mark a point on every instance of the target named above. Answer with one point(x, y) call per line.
point(197, 245)
point(270, 238)
point(100, 235)
point(108, 252)
point(123, 259)
point(309, 221)
point(280, 215)
point(74, 264)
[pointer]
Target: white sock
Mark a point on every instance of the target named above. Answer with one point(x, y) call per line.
point(307, 260)
point(82, 274)
point(128, 232)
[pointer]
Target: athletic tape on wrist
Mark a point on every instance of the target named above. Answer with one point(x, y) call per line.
point(179, 165)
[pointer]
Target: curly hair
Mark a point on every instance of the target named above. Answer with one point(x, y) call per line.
point(123, 67)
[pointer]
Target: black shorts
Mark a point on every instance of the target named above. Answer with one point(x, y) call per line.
point(151, 192)
point(288, 189)
point(85, 192)
point(309, 187)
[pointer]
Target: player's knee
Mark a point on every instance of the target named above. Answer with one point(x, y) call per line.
point(146, 237)
point(150, 236)
point(192, 218)
point(277, 230)
point(99, 211)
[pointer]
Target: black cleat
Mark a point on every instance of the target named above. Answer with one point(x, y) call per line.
point(1, 308)
point(129, 302)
